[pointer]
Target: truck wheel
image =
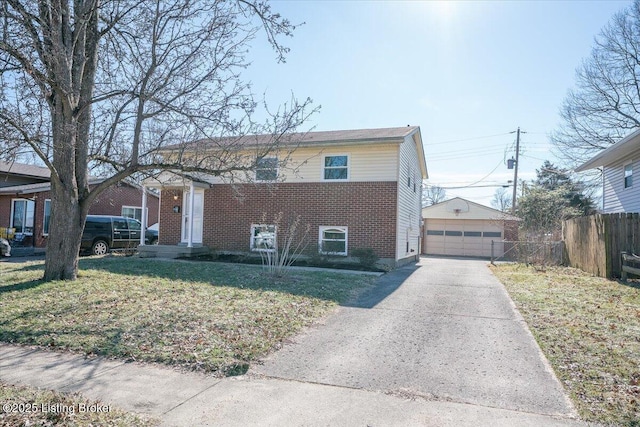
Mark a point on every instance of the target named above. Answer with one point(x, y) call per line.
point(100, 247)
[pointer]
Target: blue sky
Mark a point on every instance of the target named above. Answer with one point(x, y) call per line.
point(467, 73)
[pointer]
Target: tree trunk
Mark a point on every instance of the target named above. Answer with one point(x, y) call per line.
point(65, 235)
point(69, 192)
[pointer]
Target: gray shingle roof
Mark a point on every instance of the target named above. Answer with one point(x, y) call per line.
point(24, 170)
point(313, 138)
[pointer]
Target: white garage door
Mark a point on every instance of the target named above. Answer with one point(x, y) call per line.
point(463, 237)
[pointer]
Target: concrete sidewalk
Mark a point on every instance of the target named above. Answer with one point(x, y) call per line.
point(190, 399)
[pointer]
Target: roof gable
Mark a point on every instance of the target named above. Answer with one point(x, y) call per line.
point(614, 153)
point(467, 210)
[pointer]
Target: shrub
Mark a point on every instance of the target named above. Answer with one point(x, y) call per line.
point(366, 256)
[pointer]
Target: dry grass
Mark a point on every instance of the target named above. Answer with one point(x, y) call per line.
point(589, 329)
point(29, 406)
point(204, 316)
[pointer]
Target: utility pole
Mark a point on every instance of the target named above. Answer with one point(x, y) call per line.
point(515, 173)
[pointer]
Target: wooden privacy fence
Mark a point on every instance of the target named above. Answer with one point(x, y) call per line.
point(627, 267)
point(594, 243)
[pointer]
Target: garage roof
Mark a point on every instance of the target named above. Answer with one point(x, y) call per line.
point(459, 208)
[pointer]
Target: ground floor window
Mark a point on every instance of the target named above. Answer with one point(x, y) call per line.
point(263, 237)
point(333, 240)
point(47, 217)
point(132, 212)
point(22, 215)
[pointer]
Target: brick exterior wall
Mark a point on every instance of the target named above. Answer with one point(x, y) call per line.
point(109, 202)
point(368, 209)
point(511, 230)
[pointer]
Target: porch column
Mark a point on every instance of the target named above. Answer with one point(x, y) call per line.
point(143, 217)
point(190, 224)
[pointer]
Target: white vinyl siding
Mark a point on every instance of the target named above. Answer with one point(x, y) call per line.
point(367, 163)
point(409, 203)
point(617, 198)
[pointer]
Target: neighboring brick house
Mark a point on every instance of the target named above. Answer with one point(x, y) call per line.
point(25, 207)
point(355, 189)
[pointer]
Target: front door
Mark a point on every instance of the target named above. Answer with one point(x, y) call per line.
point(196, 217)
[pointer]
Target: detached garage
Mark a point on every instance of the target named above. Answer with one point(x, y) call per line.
point(459, 227)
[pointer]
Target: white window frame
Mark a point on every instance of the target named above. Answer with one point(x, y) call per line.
point(136, 208)
point(276, 169)
point(45, 232)
point(323, 167)
point(624, 178)
point(341, 229)
point(252, 241)
point(34, 215)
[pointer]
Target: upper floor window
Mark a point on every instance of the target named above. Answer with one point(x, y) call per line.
point(267, 169)
point(336, 167)
point(628, 175)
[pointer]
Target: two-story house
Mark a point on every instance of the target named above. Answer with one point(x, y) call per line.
point(618, 163)
point(353, 189)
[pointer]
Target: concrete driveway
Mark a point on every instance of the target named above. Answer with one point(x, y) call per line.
point(444, 330)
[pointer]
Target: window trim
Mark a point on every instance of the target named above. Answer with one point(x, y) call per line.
point(252, 246)
point(11, 225)
point(624, 177)
point(137, 208)
point(342, 229)
point(276, 169)
point(45, 231)
point(323, 167)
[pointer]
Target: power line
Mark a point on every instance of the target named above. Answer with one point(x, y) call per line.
point(468, 139)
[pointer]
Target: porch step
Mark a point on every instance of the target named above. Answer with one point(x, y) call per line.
point(22, 251)
point(171, 251)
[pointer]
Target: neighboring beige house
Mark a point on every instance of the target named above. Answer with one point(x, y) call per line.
point(460, 227)
point(618, 162)
point(356, 189)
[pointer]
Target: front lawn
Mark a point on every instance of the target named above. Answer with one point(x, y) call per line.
point(589, 329)
point(206, 316)
point(29, 406)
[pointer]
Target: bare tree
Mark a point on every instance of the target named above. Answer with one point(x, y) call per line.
point(94, 86)
point(604, 106)
point(432, 194)
point(501, 199)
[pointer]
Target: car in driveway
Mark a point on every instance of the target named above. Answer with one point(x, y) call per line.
point(103, 233)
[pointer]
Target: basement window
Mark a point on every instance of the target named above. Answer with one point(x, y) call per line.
point(263, 238)
point(333, 240)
